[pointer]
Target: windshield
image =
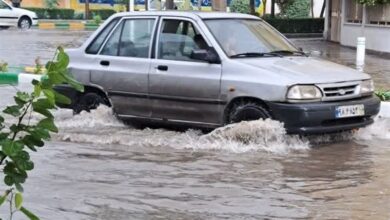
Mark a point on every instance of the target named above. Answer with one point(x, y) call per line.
point(245, 36)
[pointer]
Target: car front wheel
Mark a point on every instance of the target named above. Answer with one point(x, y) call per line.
point(88, 102)
point(24, 23)
point(247, 111)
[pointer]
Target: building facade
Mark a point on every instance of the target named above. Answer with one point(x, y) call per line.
point(346, 20)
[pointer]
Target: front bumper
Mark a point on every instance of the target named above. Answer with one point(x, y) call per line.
point(317, 118)
point(34, 22)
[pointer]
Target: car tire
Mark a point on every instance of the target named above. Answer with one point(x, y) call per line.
point(247, 111)
point(88, 102)
point(24, 23)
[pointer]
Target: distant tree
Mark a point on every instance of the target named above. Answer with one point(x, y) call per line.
point(294, 8)
point(240, 6)
point(51, 4)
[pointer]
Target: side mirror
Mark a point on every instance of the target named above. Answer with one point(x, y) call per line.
point(209, 55)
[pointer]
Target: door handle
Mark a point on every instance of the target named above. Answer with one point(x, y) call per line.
point(162, 68)
point(105, 63)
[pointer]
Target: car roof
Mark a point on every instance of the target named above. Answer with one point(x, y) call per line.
point(189, 14)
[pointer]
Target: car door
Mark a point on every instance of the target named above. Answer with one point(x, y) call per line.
point(181, 88)
point(7, 17)
point(122, 66)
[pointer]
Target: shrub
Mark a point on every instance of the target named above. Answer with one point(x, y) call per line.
point(297, 25)
point(55, 13)
point(240, 6)
point(295, 8)
point(97, 19)
point(103, 13)
point(383, 95)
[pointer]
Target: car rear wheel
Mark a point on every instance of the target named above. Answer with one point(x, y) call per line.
point(24, 23)
point(247, 111)
point(88, 102)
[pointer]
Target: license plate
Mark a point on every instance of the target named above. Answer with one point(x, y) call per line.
point(349, 111)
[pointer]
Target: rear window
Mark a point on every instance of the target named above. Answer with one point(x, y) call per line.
point(94, 47)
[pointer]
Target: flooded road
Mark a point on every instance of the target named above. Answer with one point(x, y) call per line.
point(96, 168)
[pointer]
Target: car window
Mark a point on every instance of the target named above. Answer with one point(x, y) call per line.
point(96, 44)
point(131, 39)
point(3, 5)
point(178, 39)
point(112, 45)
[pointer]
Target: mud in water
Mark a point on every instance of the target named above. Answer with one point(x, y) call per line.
point(97, 168)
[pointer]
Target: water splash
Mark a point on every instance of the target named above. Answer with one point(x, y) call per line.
point(379, 130)
point(101, 127)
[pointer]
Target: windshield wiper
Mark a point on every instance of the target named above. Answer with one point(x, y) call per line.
point(255, 54)
point(289, 52)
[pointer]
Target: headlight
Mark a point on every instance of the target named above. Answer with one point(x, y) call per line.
point(367, 87)
point(304, 92)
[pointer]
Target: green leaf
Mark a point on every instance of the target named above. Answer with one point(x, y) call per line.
point(4, 197)
point(40, 133)
point(43, 104)
point(31, 141)
point(1, 119)
point(49, 95)
point(18, 201)
point(30, 215)
point(12, 148)
point(19, 187)
point(48, 124)
point(61, 99)
point(44, 112)
point(56, 78)
point(12, 110)
point(75, 84)
point(37, 90)
point(8, 180)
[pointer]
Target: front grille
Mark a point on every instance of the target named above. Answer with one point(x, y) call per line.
point(340, 91)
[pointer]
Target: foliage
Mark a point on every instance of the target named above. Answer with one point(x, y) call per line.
point(373, 2)
point(3, 66)
point(19, 135)
point(97, 19)
point(51, 4)
point(297, 25)
point(103, 13)
point(383, 95)
point(240, 6)
point(294, 8)
point(54, 13)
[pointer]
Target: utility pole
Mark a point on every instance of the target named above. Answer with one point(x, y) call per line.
point(168, 5)
point(86, 9)
point(272, 8)
point(252, 6)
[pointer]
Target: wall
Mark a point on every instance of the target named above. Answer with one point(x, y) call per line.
point(377, 36)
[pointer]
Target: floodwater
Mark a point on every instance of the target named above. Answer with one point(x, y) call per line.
point(96, 168)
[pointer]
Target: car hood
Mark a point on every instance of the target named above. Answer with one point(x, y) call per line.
point(21, 11)
point(305, 70)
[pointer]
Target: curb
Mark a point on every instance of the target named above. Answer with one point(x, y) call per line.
point(385, 110)
point(16, 78)
point(73, 26)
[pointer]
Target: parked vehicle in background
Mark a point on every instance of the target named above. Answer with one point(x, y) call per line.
point(17, 17)
point(212, 69)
